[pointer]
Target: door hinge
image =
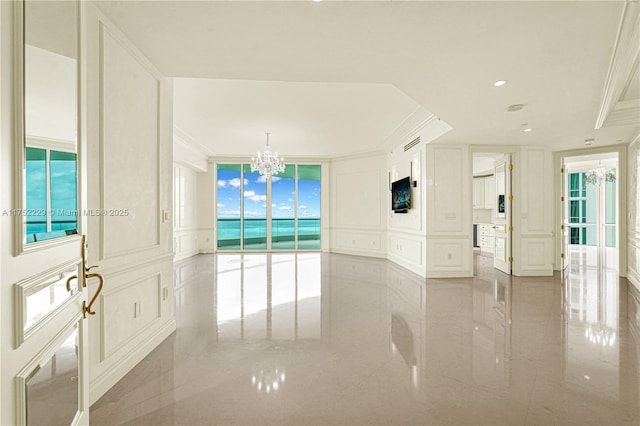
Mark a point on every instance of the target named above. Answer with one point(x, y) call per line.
point(562, 227)
point(510, 166)
point(510, 259)
point(511, 228)
point(562, 198)
point(510, 197)
point(561, 169)
point(562, 255)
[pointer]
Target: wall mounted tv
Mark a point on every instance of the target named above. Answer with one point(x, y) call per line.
point(401, 195)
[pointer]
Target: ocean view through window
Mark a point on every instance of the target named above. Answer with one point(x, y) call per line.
point(50, 195)
point(250, 208)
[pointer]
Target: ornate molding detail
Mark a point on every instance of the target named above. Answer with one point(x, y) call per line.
point(614, 109)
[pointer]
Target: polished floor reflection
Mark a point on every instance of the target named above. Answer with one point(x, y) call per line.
point(327, 339)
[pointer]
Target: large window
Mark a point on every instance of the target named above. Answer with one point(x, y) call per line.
point(256, 213)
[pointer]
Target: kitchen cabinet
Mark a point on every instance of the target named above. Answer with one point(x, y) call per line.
point(478, 193)
point(486, 237)
point(484, 192)
point(490, 200)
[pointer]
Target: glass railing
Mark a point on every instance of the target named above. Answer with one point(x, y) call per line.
point(255, 233)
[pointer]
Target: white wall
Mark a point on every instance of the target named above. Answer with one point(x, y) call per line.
point(130, 159)
point(206, 206)
point(406, 235)
point(359, 204)
point(633, 214)
point(532, 188)
point(185, 218)
point(449, 211)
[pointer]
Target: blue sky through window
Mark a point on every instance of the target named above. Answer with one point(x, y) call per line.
point(255, 196)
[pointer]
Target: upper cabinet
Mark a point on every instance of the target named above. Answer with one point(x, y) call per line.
point(478, 193)
point(484, 192)
point(490, 193)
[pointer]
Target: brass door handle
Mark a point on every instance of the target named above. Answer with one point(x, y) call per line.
point(86, 309)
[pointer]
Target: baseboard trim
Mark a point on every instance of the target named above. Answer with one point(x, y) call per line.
point(416, 269)
point(379, 255)
point(449, 274)
point(105, 381)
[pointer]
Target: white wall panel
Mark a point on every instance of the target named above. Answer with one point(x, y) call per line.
point(536, 184)
point(449, 211)
point(357, 205)
point(447, 182)
point(449, 257)
point(358, 195)
point(130, 149)
point(357, 242)
point(406, 248)
point(532, 189)
point(633, 214)
point(128, 310)
point(185, 217)
point(129, 110)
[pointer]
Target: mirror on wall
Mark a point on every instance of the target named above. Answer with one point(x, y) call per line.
point(50, 123)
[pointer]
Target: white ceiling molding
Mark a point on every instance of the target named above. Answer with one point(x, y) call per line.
point(409, 128)
point(188, 152)
point(616, 109)
point(193, 143)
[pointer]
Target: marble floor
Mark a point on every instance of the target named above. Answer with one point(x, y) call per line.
point(328, 339)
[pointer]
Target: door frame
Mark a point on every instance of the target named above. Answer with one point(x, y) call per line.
point(622, 173)
point(514, 152)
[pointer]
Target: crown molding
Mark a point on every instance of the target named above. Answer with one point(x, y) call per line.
point(409, 128)
point(190, 142)
point(624, 60)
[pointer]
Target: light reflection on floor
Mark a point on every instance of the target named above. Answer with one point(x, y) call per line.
point(333, 339)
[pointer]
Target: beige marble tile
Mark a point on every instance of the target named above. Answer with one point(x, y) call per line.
point(327, 339)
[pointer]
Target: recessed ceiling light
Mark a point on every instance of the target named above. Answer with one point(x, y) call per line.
point(316, 1)
point(500, 83)
point(529, 129)
point(515, 107)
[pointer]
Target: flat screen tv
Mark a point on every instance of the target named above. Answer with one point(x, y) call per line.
point(401, 195)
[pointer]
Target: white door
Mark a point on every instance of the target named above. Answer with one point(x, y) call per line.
point(44, 264)
point(564, 225)
point(502, 223)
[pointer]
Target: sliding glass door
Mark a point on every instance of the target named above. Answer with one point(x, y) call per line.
point(254, 210)
point(256, 213)
point(308, 234)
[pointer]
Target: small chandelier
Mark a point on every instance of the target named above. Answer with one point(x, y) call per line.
point(268, 163)
point(599, 175)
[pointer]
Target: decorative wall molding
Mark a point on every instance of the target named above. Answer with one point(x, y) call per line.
point(623, 67)
point(108, 35)
point(130, 291)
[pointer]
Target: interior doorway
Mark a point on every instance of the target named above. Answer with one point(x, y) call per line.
point(591, 213)
point(492, 209)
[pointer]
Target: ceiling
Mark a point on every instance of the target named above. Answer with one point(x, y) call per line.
point(304, 62)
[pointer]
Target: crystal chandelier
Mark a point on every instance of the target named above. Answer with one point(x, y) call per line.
point(268, 163)
point(599, 175)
